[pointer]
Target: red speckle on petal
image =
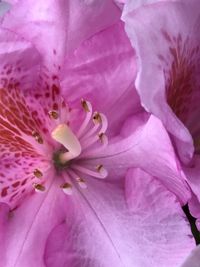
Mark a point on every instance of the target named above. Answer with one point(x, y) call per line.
point(4, 191)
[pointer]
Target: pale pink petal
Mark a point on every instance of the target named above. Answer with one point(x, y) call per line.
point(168, 63)
point(194, 259)
point(145, 143)
point(102, 70)
point(103, 231)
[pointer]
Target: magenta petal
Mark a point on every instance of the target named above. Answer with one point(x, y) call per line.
point(158, 77)
point(29, 226)
point(194, 258)
point(103, 231)
point(145, 143)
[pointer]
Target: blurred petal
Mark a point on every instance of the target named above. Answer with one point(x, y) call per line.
point(194, 259)
point(105, 232)
point(168, 62)
point(4, 7)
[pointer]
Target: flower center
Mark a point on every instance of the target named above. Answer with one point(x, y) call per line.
point(73, 160)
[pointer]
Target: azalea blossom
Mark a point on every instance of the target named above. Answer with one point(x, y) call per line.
point(87, 177)
point(168, 77)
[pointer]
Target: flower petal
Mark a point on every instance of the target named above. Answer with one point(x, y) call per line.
point(105, 232)
point(192, 175)
point(28, 227)
point(193, 259)
point(4, 7)
point(169, 63)
point(145, 143)
point(48, 23)
point(43, 23)
point(103, 71)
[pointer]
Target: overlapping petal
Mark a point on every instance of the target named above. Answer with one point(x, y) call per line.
point(193, 259)
point(103, 70)
point(49, 23)
point(121, 234)
point(168, 62)
point(56, 230)
point(145, 143)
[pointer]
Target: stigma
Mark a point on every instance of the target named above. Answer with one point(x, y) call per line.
point(64, 135)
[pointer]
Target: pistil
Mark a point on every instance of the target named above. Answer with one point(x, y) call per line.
point(64, 135)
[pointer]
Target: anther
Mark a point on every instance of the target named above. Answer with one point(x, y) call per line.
point(81, 183)
point(102, 138)
point(37, 173)
point(97, 118)
point(53, 114)
point(37, 137)
point(85, 105)
point(67, 188)
point(102, 170)
point(39, 188)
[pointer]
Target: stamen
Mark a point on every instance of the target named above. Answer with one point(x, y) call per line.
point(102, 170)
point(103, 138)
point(104, 124)
point(39, 188)
point(53, 114)
point(67, 188)
point(64, 135)
point(81, 183)
point(100, 173)
point(97, 118)
point(88, 108)
point(37, 173)
point(85, 105)
point(37, 137)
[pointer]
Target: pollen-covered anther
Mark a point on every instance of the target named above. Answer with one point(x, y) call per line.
point(39, 188)
point(85, 105)
point(81, 183)
point(53, 114)
point(67, 188)
point(97, 118)
point(37, 173)
point(102, 170)
point(37, 137)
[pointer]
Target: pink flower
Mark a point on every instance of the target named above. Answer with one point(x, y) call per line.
point(166, 34)
point(59, 63)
